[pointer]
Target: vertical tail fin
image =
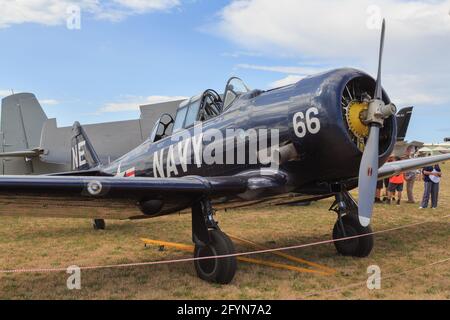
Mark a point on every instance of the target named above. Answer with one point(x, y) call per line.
point(403, 118)
point(21, 124)
point(84, 156)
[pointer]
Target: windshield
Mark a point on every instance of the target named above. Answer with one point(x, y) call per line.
point(192, 113)
point(187, 113)
point(180, 119)
point(235, 88)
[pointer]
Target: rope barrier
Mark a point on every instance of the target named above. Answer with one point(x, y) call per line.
point(151, 263)
point(323, 270)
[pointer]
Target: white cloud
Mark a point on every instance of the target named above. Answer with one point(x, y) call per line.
point(337, 33)
point(5, 93)
point(328, 28)
point(283, 69)
point(238, 54)
point(133, 103)
point(46, 12)
point(116, 10)
point(290, 79)
point(54, 12)
point(49, 102)
point(148, 5)
point(417, 90)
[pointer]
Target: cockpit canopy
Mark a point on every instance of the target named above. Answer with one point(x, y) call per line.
point(208, 105)
point(199, 108)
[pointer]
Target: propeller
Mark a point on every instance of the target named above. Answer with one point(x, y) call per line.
point(368, 176)
point(368, 170)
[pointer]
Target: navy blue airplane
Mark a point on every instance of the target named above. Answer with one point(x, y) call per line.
point(318, 138)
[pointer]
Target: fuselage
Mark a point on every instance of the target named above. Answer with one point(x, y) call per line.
point(314, 146)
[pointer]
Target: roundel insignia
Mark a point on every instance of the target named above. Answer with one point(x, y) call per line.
point(94, 188)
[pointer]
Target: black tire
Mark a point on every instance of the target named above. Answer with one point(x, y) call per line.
point(220, 270)
point(358, 247)
point(99, 224)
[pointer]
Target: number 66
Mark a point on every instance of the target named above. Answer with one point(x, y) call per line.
point(310, 124)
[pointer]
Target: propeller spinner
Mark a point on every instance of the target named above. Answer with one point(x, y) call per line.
point(377, 112)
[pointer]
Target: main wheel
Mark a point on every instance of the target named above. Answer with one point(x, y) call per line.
point(217, 270)
point(99, 224)
point(357, 247)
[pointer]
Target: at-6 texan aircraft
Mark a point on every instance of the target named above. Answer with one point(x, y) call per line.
point(318, 138)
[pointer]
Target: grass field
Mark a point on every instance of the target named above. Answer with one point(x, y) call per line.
point(402, 255)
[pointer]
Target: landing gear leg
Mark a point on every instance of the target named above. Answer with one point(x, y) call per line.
point(209, 242)
point(348, 225)
point(99, 224)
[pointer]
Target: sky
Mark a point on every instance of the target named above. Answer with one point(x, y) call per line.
point(98, 60)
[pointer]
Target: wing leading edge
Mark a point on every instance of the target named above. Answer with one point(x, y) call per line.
point(118, 187)
point(393, 168)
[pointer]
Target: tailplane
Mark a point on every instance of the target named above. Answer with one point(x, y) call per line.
point(84, 156)
point(21, 122)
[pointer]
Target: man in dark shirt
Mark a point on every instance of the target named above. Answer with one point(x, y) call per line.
point(431, 177)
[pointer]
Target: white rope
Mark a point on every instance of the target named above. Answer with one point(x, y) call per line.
point(150, 263)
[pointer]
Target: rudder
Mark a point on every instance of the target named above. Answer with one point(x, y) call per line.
point(83, 154)
point(403, 118)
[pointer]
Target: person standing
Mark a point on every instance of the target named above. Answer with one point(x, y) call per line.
point(431, 177)
point(386, 183)
point(410, 178)
point(380, 184)
point(396, 184)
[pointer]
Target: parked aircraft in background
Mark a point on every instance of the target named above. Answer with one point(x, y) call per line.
point(30, 143)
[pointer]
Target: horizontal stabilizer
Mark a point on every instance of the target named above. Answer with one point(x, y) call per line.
point(22, 154)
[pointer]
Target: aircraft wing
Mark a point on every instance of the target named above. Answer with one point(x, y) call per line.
point(119, 187)
point(107, 197)
point(393, 168)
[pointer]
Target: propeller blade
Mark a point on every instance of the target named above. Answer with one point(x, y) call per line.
point(368, 177)
point(378, 88)
point(368, 169)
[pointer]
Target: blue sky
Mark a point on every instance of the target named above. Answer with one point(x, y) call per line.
point(129, 53)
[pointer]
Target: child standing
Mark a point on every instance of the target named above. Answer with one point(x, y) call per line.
point(396, 184)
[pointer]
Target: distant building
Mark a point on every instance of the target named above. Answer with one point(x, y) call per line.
point(438, 148)
point(403, 148)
